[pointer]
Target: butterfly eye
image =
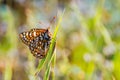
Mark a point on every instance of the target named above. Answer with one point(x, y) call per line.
point(46, 36)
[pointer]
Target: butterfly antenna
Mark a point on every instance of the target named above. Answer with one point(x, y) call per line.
point(42, 23)
point(53, 19)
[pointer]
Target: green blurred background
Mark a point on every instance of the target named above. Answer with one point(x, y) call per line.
point(88, 40)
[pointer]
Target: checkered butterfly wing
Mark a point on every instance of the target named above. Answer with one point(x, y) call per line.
point(38, 41)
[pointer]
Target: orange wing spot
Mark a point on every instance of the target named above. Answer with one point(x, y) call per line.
point(32, 34)
point(21, 35)
point(27, 35)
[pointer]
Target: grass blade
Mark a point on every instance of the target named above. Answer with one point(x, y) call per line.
point(47, 73)
point(51, 49)
point(50, 55)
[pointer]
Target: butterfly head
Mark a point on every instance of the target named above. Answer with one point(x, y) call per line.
point(47, 35)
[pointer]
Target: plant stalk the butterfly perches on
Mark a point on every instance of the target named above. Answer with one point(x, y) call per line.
point(50, 57)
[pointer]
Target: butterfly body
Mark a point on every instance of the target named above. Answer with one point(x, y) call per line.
point(38, 41)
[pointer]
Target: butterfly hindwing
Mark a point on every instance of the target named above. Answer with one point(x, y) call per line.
point(38, 41)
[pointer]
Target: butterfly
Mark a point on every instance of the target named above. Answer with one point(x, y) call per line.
point(38, 41)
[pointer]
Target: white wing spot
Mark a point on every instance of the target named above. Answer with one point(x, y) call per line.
point(30, 34)
point(34, 33)
point(39, 55)
point(40, 42)
point(26, 33)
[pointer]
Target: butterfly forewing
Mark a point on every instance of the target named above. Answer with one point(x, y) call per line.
point(25, 38)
